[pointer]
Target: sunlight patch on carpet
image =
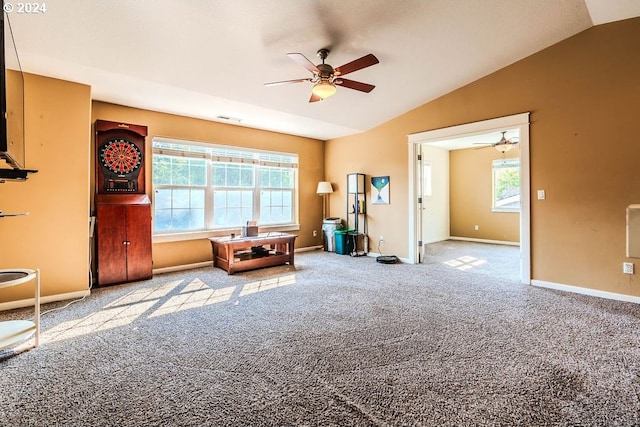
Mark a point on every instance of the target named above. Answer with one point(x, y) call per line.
point(195, 294)
point(466, 262)
point(102, 320)
point(146, 294)
point(153, 302)
point(264, 285)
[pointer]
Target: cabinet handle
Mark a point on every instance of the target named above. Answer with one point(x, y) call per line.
point(126, 243)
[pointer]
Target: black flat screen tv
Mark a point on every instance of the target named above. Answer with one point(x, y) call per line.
point(12, 142)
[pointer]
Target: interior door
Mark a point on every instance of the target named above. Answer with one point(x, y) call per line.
point(434, 214)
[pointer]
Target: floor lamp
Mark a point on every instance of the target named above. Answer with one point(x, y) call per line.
point(324, 188)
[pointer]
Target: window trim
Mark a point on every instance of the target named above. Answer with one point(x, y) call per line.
point(198, 235)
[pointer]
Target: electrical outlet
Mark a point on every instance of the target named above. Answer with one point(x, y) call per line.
point(476, 227)
point(627, 267)
point(315, 233)
point(381, 238)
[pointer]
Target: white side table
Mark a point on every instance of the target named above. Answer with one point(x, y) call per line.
point(13, 332)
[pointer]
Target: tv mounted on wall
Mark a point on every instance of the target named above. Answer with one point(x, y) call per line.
point(12, 142)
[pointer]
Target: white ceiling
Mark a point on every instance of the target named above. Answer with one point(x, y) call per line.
point(207, 59)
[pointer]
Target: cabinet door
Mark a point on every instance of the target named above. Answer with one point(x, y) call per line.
point(138, 225)
point(112, 248)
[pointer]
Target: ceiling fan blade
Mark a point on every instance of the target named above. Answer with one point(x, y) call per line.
point(287, 81)
point(302, 60)
point(352, 84)
point(314, 98)
point(358, 64)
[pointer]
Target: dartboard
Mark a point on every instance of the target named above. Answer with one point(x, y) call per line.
point(120, 156)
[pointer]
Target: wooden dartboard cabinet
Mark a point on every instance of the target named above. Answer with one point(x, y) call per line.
point(123, 209)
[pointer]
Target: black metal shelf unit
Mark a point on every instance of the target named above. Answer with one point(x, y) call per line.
point(357, 213)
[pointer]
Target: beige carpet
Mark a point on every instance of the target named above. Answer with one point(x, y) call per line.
point(337, 341)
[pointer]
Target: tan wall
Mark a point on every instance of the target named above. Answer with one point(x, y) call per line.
point(54, 236)
point(311, 170)
point(373, 157)
point(15, 115)
point(583, 95)
point(471, 192)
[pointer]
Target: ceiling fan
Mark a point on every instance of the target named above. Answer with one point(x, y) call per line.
point(325, 77)
point(504, 144)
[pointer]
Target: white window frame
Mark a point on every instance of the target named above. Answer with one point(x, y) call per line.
point(208, 152)
point(495, 166)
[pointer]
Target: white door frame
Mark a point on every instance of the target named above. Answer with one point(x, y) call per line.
point(520, 121)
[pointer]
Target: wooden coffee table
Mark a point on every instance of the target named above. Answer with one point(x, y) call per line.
point(248, 253)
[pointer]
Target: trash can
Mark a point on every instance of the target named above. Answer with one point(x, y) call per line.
point(344, 242)
point(329, 225)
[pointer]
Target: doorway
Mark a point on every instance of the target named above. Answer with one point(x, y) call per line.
point(423, 209)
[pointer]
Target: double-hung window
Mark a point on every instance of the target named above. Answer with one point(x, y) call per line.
point(204, 187)
point(506, 185)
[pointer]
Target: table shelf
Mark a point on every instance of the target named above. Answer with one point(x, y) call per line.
point(14, 332)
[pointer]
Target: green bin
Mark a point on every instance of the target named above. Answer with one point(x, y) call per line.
point(344, 241)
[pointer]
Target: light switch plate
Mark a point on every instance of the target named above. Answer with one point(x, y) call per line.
point(541, 195)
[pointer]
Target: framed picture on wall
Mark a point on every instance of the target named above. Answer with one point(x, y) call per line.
point(380, 190)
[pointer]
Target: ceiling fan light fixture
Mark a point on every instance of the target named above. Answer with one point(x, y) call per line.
point(504, 144)
point(324, 89)
point(503, 147)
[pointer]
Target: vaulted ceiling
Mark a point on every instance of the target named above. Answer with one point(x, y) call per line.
point(210, 59)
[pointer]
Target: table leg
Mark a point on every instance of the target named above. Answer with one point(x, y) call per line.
point(230, 258)
point(290, 248)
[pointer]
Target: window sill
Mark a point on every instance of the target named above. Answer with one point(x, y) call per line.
point(506, 210)
point(197, 235)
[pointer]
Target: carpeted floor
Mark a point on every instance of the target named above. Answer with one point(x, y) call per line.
point(337, 341)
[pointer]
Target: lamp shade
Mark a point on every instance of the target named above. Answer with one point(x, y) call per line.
point(324, 89)
point(324, 187)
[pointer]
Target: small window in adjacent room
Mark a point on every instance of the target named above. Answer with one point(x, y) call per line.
point(506, 185)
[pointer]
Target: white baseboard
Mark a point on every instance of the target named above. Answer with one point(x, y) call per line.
point(11, 305)
point(436, 240)
point(494, 242)
point(585, 291)
point(182, 267)
point(309, 249)
point(210, 263)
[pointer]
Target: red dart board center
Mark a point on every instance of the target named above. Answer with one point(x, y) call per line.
point(120, 156)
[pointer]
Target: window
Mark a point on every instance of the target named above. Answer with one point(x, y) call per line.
point(506, 185)
point(201, 187)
